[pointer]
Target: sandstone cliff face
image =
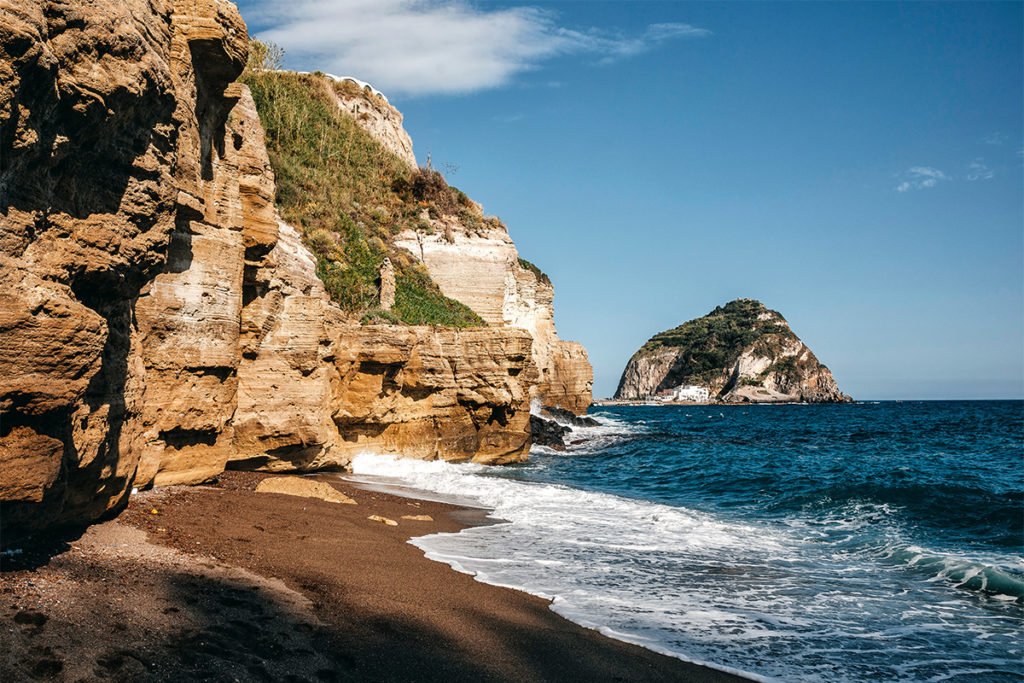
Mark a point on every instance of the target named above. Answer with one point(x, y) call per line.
point(741, 352)
point(480, 267)
point(158, 322)
point(107, 111)
point(477, 263)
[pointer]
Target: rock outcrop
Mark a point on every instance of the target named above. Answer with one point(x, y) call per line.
point(375, 114)
point(479, 265)
point(112, 119)
point(159, 323)
point(473, 260)
point(303, 488)
point(740, 352)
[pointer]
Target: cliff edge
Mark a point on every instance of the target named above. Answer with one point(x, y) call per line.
point(171, 309)
point(739, 352)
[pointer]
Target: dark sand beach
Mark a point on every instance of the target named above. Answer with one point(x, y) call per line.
point(222, 583)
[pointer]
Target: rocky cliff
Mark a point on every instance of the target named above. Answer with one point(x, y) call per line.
point(159, 321)
point(373, 202)
point(478, 264)
point(375, 115)
point(741, 352)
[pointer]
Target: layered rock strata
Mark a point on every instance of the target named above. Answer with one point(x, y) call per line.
point(741, 352)
point(112, 117)
point(158, 323)
point(375, 115)
point(477, 263)
point(480, 266)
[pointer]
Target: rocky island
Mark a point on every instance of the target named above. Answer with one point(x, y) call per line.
point(742, 352)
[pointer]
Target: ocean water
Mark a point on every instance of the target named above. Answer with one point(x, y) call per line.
point(867, 542)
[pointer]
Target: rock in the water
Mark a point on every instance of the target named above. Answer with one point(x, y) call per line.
point(306, 488)
point(567, 416)
point(548, 432)
point(740, 352)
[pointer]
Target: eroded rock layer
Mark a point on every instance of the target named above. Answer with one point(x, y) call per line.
point(480, 266)
point(158, 322)
point(110, 119)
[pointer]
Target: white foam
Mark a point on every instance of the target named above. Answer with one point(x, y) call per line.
point(786, 600)
point(595, 439)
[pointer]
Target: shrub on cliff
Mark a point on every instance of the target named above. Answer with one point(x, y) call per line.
point(338, 185)
point(715, 341)
point(541, 275)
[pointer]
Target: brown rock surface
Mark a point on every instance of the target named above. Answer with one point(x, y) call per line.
point(434, 392)
point(108, 110)
point(159, 322)
point(305, 488)
point(480, 267)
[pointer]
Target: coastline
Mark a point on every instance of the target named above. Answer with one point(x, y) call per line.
point(222, 581)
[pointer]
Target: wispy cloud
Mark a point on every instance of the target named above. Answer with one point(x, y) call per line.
point(977, 170)
point(509, 118)
point(920, 178)
point(996, 138)
point(420, 47)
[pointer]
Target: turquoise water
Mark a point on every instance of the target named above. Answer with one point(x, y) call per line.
point(876, 541)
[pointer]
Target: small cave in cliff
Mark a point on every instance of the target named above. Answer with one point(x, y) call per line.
point(499, 414)
point(179, 437)
point(212, 107)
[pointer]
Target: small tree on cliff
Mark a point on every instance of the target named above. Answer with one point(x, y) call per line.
point(264, 56)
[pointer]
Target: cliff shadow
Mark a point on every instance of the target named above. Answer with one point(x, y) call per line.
point(159, 624)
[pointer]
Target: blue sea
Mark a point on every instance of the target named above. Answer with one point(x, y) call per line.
point(866, 542)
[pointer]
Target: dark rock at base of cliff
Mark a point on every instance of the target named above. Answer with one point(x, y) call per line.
point(552, 427)
point(564, 416)
point(548, 432)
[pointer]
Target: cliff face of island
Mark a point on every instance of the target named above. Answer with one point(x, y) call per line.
point(740, 352)
point(161, 321)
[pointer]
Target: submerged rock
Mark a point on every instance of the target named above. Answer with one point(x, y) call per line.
point(567, 416)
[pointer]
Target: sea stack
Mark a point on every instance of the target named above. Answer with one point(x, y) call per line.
point(742, 352)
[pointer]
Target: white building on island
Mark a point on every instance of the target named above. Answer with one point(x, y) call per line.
point(689, 392)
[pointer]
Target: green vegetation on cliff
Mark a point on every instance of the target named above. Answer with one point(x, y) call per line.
point(350, 196)
point(709, 344)
point(541, 275)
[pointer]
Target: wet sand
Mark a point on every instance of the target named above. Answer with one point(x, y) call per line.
point(221, 583)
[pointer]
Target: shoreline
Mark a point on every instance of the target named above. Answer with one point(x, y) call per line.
point(225, 582)
point(611, 402)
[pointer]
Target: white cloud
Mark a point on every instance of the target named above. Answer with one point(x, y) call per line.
point(977, 170)
point(419, 47)
point(996, 138)
point(920, 178)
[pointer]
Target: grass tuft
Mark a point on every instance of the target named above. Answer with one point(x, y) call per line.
point(350, 196)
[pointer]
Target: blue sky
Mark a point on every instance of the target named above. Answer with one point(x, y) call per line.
point(857, 167)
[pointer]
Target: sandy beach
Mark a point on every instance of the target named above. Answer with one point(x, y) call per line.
point(222, 583)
